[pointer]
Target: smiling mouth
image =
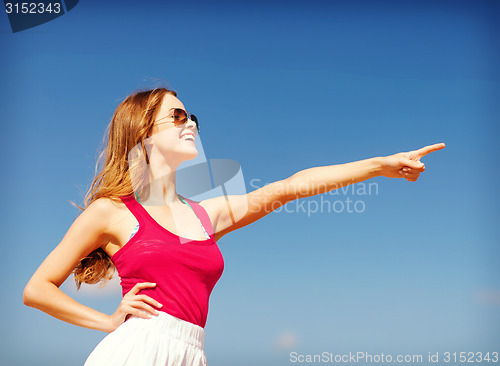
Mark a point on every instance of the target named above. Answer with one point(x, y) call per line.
point(188, 137)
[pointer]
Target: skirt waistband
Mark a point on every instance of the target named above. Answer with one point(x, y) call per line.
point(170, 326)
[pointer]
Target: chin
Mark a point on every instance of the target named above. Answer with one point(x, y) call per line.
point(191, 154)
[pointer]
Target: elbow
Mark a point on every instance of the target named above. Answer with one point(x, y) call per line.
point(28, 295)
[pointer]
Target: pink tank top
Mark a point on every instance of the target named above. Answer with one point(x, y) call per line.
point(185, 271)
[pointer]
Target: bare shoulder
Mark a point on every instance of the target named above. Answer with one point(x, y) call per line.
point(213, 206)
point(207, 204)
point(105, 212)
point(110, 221)
point(231, 212)
point(103, 208)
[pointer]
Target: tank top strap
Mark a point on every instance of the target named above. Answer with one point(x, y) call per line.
point(202, 215)
point(135, 208)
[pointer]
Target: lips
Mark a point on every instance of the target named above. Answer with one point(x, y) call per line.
point(188, 136)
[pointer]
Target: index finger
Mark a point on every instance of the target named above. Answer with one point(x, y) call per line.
point(428, 149)
point(139, 286)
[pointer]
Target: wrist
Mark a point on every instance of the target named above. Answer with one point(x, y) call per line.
point(107, 324)
point(378, 166)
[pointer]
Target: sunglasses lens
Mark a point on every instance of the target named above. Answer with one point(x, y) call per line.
point(180, 117)
point(195, 120)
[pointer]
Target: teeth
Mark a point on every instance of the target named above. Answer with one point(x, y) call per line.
point(188, 137)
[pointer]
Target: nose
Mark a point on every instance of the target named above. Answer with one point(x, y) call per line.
point(192, 125)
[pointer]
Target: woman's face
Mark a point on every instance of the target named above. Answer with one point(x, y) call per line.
point(169, 144)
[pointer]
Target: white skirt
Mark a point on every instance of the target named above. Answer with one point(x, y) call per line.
point(163, 340)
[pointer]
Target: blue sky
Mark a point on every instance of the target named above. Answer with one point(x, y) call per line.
point(278, 87)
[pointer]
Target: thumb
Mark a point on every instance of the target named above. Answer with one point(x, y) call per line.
point(414, 164)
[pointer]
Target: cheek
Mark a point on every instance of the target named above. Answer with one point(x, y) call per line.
point(166, 147)
point(166, 140)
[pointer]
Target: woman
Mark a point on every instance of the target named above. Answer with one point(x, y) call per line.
point(163, 245)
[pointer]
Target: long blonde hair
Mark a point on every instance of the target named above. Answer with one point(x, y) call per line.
point(130, 125)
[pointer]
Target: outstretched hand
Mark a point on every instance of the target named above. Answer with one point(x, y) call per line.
point(407, 164)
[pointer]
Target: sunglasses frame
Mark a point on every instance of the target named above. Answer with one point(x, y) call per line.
point(189, 116)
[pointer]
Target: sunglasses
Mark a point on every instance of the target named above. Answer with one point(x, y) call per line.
point(180, 117)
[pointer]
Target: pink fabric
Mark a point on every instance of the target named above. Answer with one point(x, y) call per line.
point(184, 272)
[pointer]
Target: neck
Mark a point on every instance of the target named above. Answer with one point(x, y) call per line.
point(162, 189)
